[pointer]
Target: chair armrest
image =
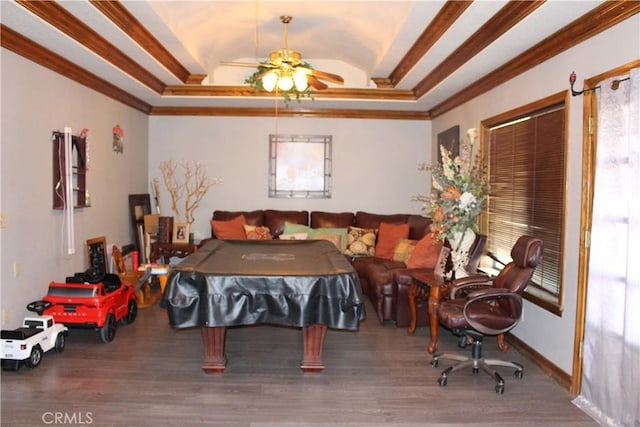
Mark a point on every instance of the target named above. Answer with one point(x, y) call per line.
point(469, 282)
point(493, 294)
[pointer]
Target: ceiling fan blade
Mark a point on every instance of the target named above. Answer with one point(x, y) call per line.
point(244, 64)
point(315, 83)
point(334, 78)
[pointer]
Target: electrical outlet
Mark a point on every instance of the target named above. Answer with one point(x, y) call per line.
point(16, 268)
point(3, 220)
point(5, 316)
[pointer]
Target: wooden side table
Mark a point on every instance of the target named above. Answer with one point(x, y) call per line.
point(433, 288)
point(168, 250)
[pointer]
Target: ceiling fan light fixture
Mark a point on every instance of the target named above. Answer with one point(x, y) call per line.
point(269, 81)
point(285, 83)
point(300, 80)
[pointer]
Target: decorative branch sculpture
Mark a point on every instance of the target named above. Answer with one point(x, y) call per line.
point(196, 184)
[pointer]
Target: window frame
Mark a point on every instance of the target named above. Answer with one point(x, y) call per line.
point(536, 295)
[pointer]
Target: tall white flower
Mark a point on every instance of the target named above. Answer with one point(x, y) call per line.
point(466, 200)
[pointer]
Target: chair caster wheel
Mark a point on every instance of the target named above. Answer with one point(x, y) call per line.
point(500, 389)
point(518, 374)
point(442, 381)
point(434, 363)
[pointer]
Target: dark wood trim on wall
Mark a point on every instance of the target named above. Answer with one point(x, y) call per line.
point(120, 16)
point(446, 16)
point(66, 22)
point(594, 22)
point(290, 112)
point(512, 13)
point(26, 48)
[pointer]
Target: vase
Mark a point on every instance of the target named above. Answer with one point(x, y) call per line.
point(461, 243)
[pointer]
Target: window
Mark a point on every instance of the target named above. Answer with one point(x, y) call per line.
point(526, 168)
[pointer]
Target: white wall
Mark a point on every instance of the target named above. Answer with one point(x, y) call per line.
point(35, 102)
point(548, 334)
point(374, 162)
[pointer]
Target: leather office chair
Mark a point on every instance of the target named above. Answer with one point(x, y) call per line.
point(492, 308)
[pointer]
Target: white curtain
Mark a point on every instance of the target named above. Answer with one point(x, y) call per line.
point(611, 354)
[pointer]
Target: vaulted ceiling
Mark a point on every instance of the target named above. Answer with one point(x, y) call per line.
point(399, 59)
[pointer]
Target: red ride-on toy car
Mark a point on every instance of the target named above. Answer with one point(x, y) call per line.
point(87, 300)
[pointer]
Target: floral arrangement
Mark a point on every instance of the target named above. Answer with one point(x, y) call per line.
point(264, 67)
point(459, 190)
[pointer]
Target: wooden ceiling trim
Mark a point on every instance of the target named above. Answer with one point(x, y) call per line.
point(22, 46)
point(290, 112)
point(330, 93)
point(588, 25)
point(66, 22)
point(446, 16)
point(120, 16)
point(512, 13)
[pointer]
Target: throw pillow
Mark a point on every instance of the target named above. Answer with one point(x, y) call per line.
point(293, 236)
point(361, 242)
point(388, 237)
point(336, 239)
point(229, 230)
point(426, 252)
point(403, 250)
point(326, 231)
point(291, 228)
point(254, 232)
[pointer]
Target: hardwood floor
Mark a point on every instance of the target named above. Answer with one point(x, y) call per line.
point(379, 376)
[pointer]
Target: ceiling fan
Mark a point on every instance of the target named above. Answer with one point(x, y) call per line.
point(286, 70)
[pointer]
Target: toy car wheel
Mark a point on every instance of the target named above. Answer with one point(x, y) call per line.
point(39, 306)
point(60, 343)
point(132, 313)
point(34, 358)
point(108, 331)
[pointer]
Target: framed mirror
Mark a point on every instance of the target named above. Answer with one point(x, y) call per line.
point(300, 166)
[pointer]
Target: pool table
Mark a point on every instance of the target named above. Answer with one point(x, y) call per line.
point(307, 284)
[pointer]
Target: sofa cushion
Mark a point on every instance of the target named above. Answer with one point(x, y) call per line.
point(276, 219)
point(232, 229)
point(426, 252)
point(403, 250)
point(257, 232)
point(250, 217)
point(419, 226)
point(369, 220)
point(388, 237)
point(331, 219)
point(361, 241)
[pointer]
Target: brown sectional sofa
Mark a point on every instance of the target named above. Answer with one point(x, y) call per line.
point(377, 279)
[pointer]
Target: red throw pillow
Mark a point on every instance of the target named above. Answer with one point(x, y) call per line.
point(229, 230)
point(388, 237)
point(426, 252)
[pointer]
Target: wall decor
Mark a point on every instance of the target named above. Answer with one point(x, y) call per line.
point(139, 206)
point(118, 139)
point(450, 139)
point(96, 251)
point(300, 166)
point(180, 232)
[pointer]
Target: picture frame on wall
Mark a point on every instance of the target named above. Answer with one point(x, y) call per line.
point(449, 139)
point(139, 206)
point(181, 232)
point(96, 252)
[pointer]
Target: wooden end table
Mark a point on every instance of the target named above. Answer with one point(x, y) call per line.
point(433, 288)
point(168, 250)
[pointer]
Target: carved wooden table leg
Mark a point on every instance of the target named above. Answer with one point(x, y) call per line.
point(313, 342)
point(213, 341)
point(434, 300)
point(503, 346)
point(413, 290)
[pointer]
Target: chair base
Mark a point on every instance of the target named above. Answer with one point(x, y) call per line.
point(477, 363)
